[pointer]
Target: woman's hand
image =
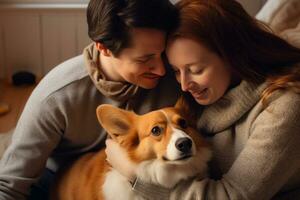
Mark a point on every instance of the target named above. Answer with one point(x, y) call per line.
point(119, 160)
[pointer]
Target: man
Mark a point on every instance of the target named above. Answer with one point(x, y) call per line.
point(122, 67)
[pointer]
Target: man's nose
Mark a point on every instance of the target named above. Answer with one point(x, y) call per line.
point(158, 67)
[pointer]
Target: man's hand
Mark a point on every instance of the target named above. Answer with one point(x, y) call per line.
point(119, 160)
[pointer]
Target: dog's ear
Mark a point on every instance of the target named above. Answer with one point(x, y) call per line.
point(187, 108)
point(114, 120)
point(182, 105)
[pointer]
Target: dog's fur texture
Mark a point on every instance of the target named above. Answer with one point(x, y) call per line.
point(163, 144)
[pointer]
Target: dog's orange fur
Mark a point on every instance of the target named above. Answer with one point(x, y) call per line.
point(84, 179)
point(80, 181)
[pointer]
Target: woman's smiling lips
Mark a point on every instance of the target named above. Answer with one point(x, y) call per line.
point(199, 94)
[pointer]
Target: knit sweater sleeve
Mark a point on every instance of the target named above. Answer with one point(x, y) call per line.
point(37, 133)
point(270, 158)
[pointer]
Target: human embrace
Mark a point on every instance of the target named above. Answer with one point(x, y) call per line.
point(244, 82)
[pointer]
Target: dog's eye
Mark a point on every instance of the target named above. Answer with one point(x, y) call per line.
point(156, 131)
point(182, 123)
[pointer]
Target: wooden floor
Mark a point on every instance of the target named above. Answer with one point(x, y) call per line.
point(16, 97)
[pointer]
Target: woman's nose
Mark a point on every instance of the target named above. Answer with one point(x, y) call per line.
point(184, 81)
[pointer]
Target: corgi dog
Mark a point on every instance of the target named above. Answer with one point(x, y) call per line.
point(162, 143)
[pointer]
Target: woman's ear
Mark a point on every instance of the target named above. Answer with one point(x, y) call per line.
point(114, 120)
point(103, 50)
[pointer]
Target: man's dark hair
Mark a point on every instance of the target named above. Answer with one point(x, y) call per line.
point(110, 21)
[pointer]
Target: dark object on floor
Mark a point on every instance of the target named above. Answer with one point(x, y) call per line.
point(23, 78)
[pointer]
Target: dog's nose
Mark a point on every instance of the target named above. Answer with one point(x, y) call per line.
point(184, 144)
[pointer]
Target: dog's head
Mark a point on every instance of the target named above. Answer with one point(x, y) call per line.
point(166, 134)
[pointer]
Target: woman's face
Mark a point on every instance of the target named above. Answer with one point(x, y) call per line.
point(199, 71)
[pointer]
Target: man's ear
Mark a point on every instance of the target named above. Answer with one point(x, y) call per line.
point(102, 49)
point(114, 120)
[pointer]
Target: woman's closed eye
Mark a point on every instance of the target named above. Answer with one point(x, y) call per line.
point(196, 70)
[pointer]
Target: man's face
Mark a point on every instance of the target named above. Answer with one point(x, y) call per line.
point(141, 63)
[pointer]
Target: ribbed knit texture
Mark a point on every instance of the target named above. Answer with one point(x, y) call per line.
point(157, 192)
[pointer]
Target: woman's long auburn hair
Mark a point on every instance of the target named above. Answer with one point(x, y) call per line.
point(247, 45)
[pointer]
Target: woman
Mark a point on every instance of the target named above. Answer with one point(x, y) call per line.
point(123, 67)
point(248, 81)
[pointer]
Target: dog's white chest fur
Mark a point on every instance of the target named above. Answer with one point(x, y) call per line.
point(117, 187)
